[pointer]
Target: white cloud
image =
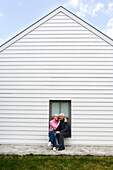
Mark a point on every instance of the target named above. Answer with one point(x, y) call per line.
point(110, 23)
point(109, 32)
point(1, 40)
point(72, 3)
point(78, 13)
point(85, 7)
point(98, 7)
point(109, 28)
point(83, 10)
point(1, 14)
point(110, 6)
point(20, 3)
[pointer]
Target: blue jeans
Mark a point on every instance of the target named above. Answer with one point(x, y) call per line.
point(52, 138)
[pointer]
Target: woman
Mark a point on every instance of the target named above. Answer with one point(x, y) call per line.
point(53, 126)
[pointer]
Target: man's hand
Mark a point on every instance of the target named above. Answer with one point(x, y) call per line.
point(57, 132)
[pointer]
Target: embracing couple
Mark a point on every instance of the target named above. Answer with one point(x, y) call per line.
point(59, 128)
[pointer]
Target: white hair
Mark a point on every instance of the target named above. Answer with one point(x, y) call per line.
point(56, 114)
point(61, 114)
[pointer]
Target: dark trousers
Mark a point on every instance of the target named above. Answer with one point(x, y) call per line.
point(52, 138)
point(60, 138)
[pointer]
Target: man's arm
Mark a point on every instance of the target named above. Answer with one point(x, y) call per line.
point(66, 128)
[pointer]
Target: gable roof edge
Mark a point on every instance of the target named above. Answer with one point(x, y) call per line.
point(50, 15)
point(88, 26)
point(30, 28)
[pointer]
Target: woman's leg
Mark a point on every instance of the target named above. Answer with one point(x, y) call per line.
point(51, 135)
point(54, 140)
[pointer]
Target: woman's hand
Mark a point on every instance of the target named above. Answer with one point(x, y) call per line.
point(65, 120)
point(59, 121)
point(57, 132)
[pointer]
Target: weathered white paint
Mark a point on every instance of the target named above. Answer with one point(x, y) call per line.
point(58, 58)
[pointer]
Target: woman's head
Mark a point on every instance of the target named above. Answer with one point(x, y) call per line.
point(56, 116)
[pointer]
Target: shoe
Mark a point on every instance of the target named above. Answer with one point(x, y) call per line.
point(49, 144)
point(61, 149)
point(54, 149)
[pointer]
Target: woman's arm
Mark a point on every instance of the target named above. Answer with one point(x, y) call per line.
point(53, 125)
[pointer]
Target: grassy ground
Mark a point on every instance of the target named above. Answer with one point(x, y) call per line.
point(35, 162)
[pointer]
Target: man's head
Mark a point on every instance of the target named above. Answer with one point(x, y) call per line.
point(56, 116)
point(61, 116)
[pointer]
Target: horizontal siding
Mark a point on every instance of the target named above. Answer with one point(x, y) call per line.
point(21, 81)
point(29, 67)
point(59, 60)
point(45, 112)
point(44, 115)
point(60, 71)
point(56, 32)
point(42, 56)
point(85, 77)
point(55, 59)
point(85, 39)
point(61, 63)
point(55, 44)
point(60, 51)
point(74, 87)
point(25, 137)
point(33, 133)
point(42, 101)
point(59, 47)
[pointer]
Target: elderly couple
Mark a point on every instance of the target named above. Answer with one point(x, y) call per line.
point(59, 128)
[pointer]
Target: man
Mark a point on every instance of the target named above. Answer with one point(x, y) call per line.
point(62, 131)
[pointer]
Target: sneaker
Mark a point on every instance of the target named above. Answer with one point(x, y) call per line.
point(54, 149)
point(49, 144)
point(61, 149)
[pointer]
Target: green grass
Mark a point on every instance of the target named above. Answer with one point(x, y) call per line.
point(35, 162)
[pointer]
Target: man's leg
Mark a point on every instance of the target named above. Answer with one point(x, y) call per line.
point(57, 136)
point(61, 139)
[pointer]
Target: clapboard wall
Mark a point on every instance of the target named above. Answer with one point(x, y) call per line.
point(59, 60)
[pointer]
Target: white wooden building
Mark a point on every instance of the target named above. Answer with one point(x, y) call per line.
point(58, 64)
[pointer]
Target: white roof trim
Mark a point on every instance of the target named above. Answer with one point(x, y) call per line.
point(50, 15)
point(88, 26)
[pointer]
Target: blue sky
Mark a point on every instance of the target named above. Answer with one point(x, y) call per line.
point(16, 15)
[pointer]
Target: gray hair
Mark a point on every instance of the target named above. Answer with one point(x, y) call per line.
point(61, 114)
